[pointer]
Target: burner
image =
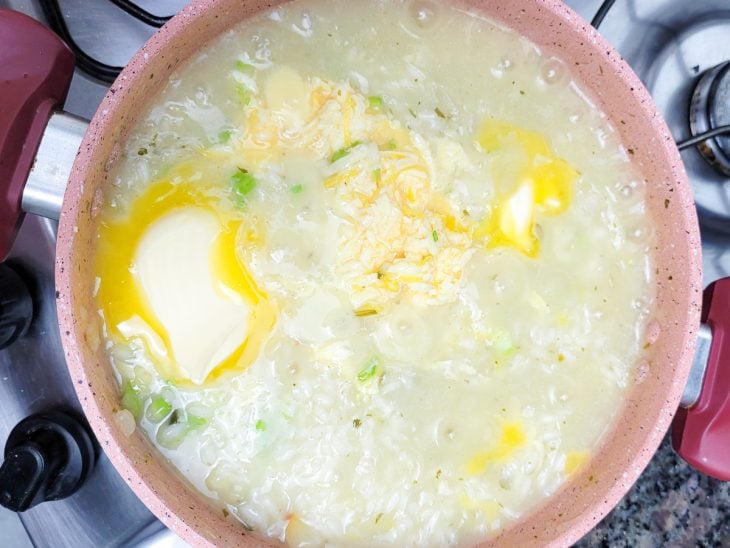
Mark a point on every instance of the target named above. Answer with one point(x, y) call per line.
point(672, 45)
point(710, 109)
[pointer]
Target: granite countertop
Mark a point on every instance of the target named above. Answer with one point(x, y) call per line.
point(670, 505)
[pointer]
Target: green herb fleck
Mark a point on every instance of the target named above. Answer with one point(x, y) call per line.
point(142, 151)
point(226, 513)
point(376, 175)
point(361, 312)
point(377, 518)
point(438, 473)
point(375, 102)
point(260, 426)
point(369, 370)
point(296, 189)
point(391, 145)
point(224, 136)
point(435, 236)
point(412, 112)
point(243, 183)
point(357, 423)
point(244, 67)
point(440, 113)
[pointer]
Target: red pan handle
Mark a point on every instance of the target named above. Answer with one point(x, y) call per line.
point(35, 74)
point(701, 433)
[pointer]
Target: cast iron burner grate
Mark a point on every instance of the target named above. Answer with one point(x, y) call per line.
point(91, 66)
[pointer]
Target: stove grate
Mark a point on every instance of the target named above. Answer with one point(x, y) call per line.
point(90, 65)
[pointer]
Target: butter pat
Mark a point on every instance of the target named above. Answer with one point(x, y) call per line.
point(204, 320)
point(286, 94)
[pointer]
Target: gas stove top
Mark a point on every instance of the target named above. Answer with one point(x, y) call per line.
point(679, 49)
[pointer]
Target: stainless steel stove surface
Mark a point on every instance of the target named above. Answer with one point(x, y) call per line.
point(33, 377)
point(670, 44)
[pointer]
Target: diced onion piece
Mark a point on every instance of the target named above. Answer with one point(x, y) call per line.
point(126, 422)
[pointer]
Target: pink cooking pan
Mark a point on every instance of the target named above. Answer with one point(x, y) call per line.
point(683, 380)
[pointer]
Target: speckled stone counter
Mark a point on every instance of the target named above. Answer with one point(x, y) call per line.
point(670, 505)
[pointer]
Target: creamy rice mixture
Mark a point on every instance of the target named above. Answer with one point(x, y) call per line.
point(374, 273)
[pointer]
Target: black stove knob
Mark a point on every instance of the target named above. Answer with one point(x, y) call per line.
point(47, 457)
point(16, 306)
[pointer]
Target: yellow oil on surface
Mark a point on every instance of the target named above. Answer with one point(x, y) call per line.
point(530, 181)
point(120, 296)
point(513, 437)
point(574, 461)
point(491, 509)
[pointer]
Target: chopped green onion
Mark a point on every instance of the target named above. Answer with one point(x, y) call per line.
point(375, 102)
point(141, 382)
point(296, 189)
point(131, 400)
point(194, 421)
point(158, 409)
point(336, 155)
point(245, 67)
point(197, 415)
point(435, 236)
point(369, 370)
point(341, 153)
point(502, 343)
point(170, 435)
point(243, 183)
point(224, 136)
point(260, 425)
point(243, 94)
point(357, 423)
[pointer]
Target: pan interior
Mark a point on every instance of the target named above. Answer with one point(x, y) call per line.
point(562, 151)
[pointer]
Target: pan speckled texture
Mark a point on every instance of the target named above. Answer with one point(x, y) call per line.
point(660, 378)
